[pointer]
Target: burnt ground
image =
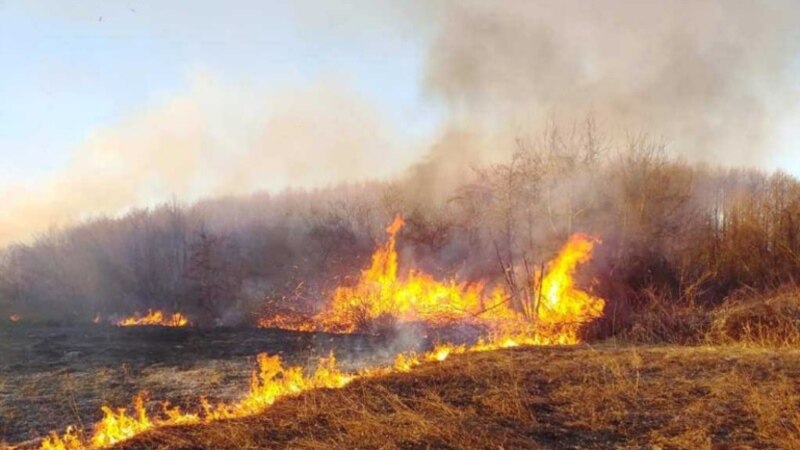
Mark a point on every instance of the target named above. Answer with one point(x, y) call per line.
point(55, 376)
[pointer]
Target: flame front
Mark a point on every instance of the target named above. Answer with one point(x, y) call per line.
point(269, 383)
point(381, 295)
point(560, 309)
point(154, 318)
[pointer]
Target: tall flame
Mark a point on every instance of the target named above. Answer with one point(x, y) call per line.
point(155, 318)
point(561, 307)
point(563, 302)
point(381, 294)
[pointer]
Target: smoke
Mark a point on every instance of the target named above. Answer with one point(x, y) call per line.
point(212, 140)
point(713, 78)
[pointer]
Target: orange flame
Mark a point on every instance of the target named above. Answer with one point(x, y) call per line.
point(561, 307)
point(558, 306)
point(381, 294)
point(271, 382)
point(155, 318)
point(560, 310)
point(15, 317)
point(563, 302)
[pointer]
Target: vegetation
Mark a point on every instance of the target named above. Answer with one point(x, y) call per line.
point(579, 397)
point(684, 234)
point(690, 255)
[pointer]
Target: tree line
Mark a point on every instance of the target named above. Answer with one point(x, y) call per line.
point(692, 232)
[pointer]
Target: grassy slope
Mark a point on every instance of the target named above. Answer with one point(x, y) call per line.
point(582, 397)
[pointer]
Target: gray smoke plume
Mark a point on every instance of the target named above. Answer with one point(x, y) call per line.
point(716, 79)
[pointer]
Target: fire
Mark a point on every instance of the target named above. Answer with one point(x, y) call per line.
point(155, 318)
point(70, 440)
point(271, 382)
point(382, 295)
point(560, 308)
point(118, 425)
point(562, 301)
point(15, 317)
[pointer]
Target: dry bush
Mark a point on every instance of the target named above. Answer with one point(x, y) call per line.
point(767, 320)
point(747, 317)
point(660, 319)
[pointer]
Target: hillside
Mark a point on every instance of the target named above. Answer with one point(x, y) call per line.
point(537, 397)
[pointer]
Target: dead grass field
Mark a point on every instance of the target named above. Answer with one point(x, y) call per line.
point(583, 397)
point(735, 386)
point(53, 377)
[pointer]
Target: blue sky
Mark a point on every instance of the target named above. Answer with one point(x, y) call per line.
point(70, 68)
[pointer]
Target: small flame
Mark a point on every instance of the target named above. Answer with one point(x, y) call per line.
point(70, 440)
point(15, 317)
point(155, 318)
point(117, 425)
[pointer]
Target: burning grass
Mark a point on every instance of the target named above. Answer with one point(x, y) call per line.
point(552, 314)
point(595, 409)
point(51, 377)
point(545, 397)
point(272, 381)
point(154, 319)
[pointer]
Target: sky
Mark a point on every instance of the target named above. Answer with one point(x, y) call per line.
point(71, 68)
point(112, 104)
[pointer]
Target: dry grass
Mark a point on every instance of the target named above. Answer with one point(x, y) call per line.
point(745, 318)
point(583, 397)
point(772, 320)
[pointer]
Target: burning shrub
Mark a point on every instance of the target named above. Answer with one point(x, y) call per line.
point(381, 299)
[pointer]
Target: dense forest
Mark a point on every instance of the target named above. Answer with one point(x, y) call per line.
point(670, 229)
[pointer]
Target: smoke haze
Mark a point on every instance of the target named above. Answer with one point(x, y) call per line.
point(716, 79)
point(212, 141)
point(713, 78)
